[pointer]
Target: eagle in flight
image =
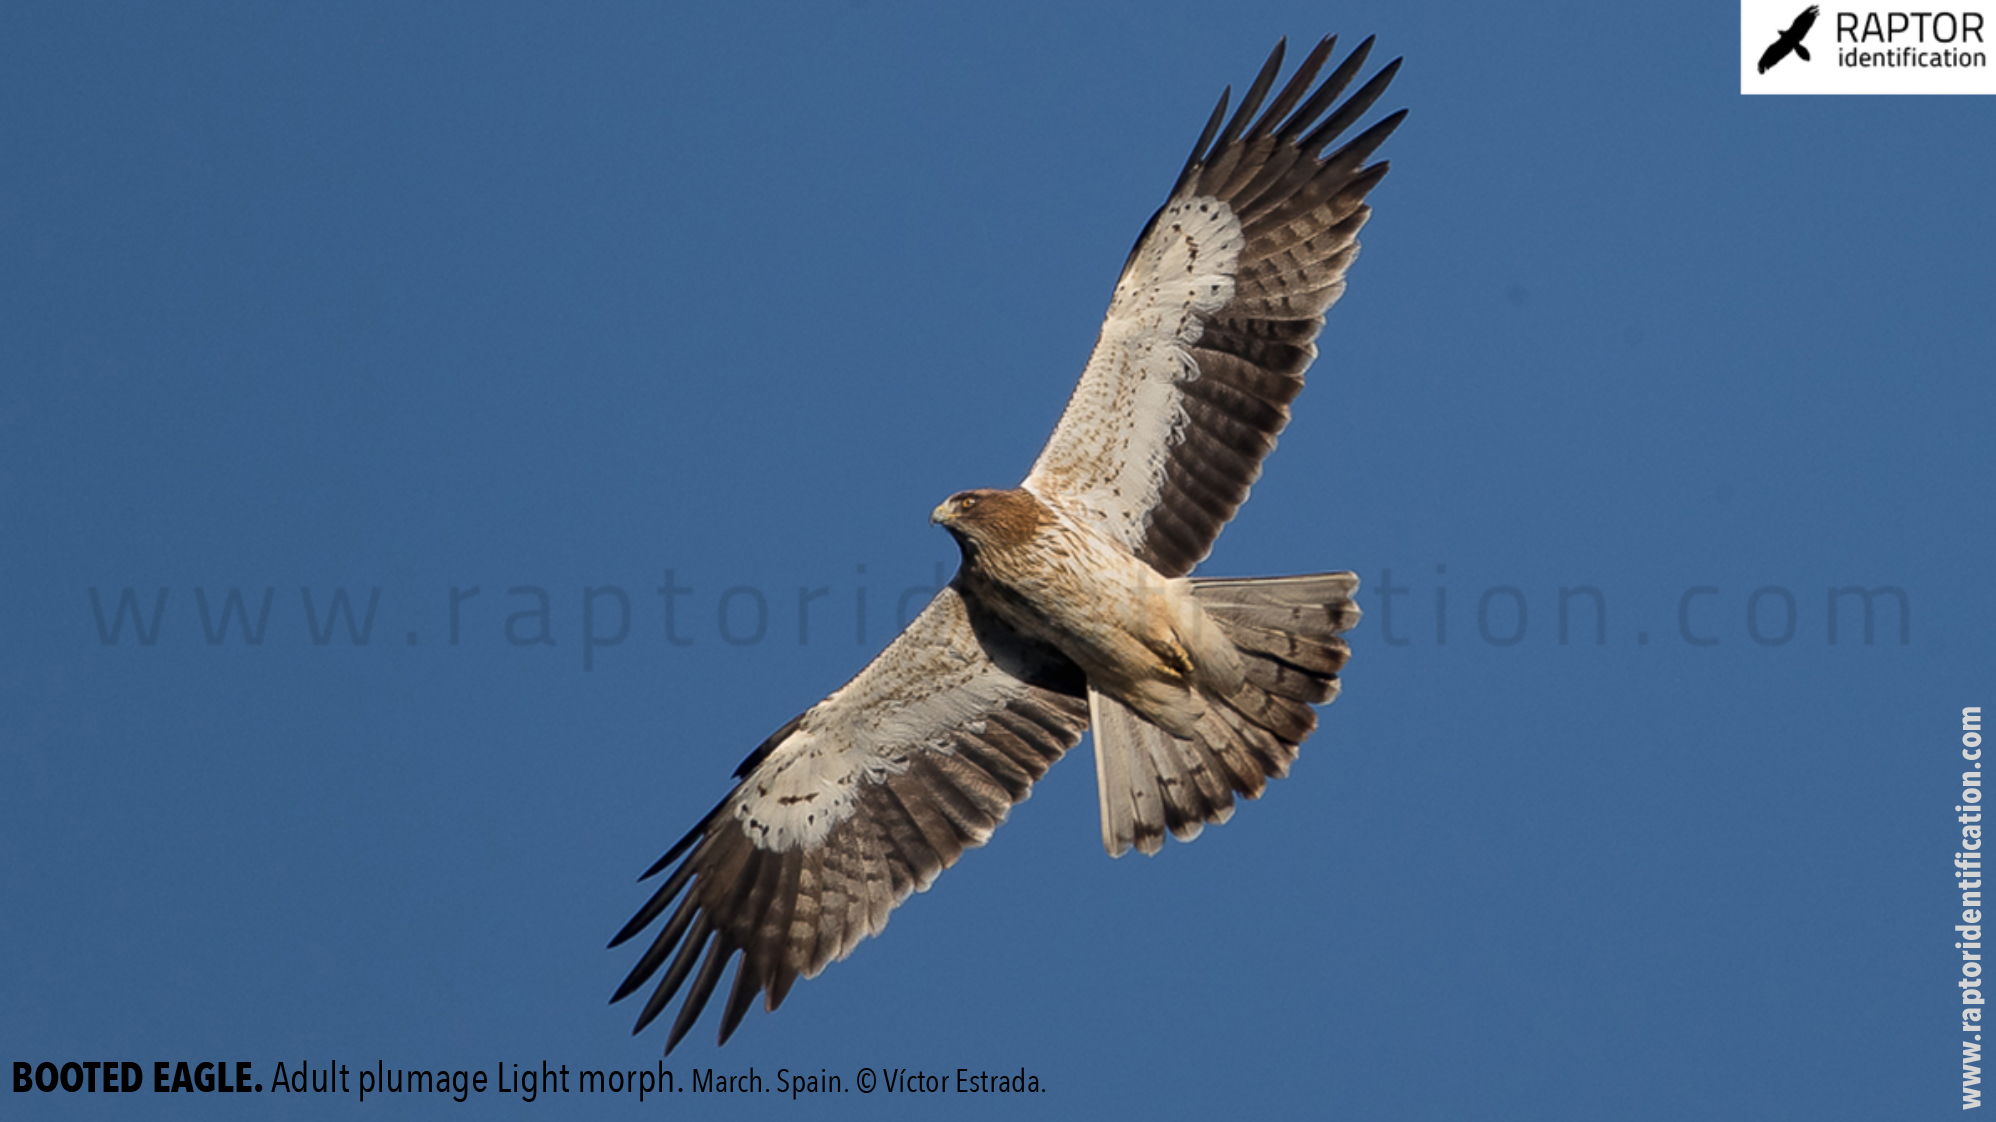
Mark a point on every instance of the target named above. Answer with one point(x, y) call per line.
point(1072, 607)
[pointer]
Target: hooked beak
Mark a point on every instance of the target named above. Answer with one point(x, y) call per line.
point(942, 514)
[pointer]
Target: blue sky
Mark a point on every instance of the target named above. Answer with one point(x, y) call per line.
point(631, 297)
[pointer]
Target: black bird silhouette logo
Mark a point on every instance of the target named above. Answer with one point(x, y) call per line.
point(1791, 40)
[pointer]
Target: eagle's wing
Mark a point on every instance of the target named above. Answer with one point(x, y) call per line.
point(853, 805)
point(1775, 52)
point(1216, 315)
point(1802, 24)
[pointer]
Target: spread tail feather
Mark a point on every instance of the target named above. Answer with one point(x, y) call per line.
point(1286, 630)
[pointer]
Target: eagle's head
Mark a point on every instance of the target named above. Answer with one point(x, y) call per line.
point(990, 518)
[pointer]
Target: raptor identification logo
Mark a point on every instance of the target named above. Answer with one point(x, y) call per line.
point(1791, 47)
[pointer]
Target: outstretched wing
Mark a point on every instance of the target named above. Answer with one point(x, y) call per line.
point(852, 806)
point(1216, 315)
point(1799, 30)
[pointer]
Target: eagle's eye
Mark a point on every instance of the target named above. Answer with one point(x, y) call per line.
point(968, 502)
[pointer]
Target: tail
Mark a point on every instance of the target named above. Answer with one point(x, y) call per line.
point(1286, 630)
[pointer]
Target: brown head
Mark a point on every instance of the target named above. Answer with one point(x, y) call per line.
point(991, 519)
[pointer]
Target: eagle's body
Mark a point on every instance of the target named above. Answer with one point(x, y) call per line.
point(1074, 606)
point(1139, 636)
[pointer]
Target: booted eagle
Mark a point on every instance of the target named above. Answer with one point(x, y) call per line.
point(1072, 607)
